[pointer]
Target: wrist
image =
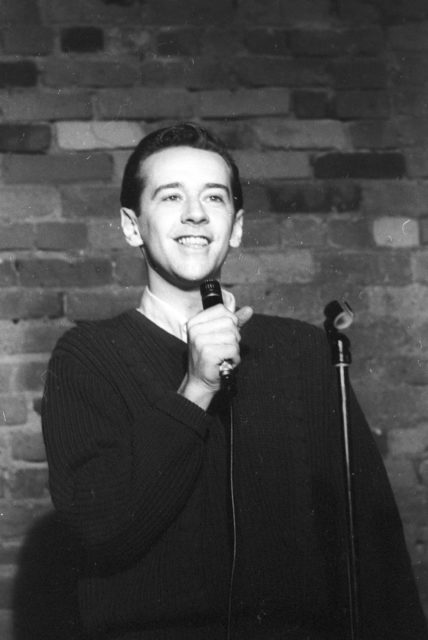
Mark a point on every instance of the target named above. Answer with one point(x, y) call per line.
point(197, 392)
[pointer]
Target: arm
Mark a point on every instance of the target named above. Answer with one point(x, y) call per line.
point(118, 481)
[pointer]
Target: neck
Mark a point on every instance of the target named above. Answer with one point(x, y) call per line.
point(187, 302)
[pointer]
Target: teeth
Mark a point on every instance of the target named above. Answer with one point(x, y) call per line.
point(193, 241)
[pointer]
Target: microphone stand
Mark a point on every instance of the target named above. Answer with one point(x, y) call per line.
point(338, 317)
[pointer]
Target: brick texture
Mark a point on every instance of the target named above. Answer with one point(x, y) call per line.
point(324, 106)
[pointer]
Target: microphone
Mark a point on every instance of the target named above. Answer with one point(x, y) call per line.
point(211, 295)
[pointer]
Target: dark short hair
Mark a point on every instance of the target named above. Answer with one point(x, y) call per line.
point(186, 134)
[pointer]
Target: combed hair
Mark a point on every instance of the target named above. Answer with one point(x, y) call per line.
point(186, 134)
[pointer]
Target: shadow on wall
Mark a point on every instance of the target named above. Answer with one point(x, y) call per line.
point(45, 594)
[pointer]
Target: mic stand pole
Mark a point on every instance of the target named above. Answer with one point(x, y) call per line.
point(339, 318)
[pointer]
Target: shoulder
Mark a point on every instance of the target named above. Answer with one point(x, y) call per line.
point(90, 337)
point(286, 329)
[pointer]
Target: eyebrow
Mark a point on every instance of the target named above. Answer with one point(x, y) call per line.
point(175, 185)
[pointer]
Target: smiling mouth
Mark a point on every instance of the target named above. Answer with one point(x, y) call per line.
point(193, 241)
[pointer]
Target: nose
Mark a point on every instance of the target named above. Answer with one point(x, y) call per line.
point(194, 212)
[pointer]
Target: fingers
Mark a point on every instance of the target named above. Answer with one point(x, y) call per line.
point(243, 315)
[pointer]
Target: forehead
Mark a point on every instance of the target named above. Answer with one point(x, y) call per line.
point(187, 165)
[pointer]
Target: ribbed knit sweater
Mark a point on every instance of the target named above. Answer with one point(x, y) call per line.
point(141, 475)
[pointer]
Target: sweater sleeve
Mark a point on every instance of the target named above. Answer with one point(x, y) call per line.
point(390, 605)
point(117, 480)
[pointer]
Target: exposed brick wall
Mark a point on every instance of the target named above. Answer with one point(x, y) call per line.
point(325, 104)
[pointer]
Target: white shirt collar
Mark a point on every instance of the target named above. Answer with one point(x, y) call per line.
point(168, 318)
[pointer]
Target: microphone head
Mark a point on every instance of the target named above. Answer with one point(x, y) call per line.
point(338, 316)
point(211, 293)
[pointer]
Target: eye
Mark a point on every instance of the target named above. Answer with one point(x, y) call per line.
point(171, 197)
point(216, 198)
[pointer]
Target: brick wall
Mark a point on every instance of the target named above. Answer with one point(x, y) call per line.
point(325, 104)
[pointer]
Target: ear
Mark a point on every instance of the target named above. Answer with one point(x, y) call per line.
point(236, 235)
point(130, 227)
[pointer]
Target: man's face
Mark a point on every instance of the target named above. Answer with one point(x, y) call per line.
point(187, 220)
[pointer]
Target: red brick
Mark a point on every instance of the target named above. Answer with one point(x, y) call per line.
point(269, 42)
point(244, 103)
point(356, 12)
point(24, 138)
point(392, 408)
point(130, 270)
point(362, 104)
point(283, 133)
point(411, 102)
point(374, 134)
point(325, 196)
point(179, 42)
point(366, 267)
point(417, 163)
point(203, 72)
point(26, 202)
point(45, 105)
point(18, 516)
point(7, 580)
point(7, 273)
point(60, 72)
point(256, 198)
point(82, 40)
point(272, 164)
point(90, 202)
point(19, 11)
point(360, 165)
point(92, 12)
point(90, 305)
point(235, 134)
point(305, 12)
point(62, 168)
point(350, 233)
point(264, 71)
point(30, 482)
point(16, 236)
point(23, 304)
point(413, 131)
point(22, 376)
point(294, 265)
point(106, 235)
point(254, 12)
point(54, 272)
point(420, 265)
point(31, 375)
point(400, 197)
point(363, 73)
point(410, 69)
point(413, 37)
point(261, 231)
point(144, 103)
point(303, 231)
point(29, 337)
point(28, 40)
point(55, 236)
point(13, 410)
point(318, 42)
point(193, 12)
point(403, 10)
point(412, 371)
point(308, 104)
point(424, 230)
point(18, 74)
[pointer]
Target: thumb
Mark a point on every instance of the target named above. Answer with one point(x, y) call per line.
point(244, 314)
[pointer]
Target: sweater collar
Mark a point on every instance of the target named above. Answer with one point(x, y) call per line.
point(167, 317)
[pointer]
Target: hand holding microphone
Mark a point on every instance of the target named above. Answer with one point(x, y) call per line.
point(213, 346)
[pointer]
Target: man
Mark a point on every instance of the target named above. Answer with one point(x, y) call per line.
point(202, 516)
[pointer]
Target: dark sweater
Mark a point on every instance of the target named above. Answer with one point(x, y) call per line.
point(141, 476)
